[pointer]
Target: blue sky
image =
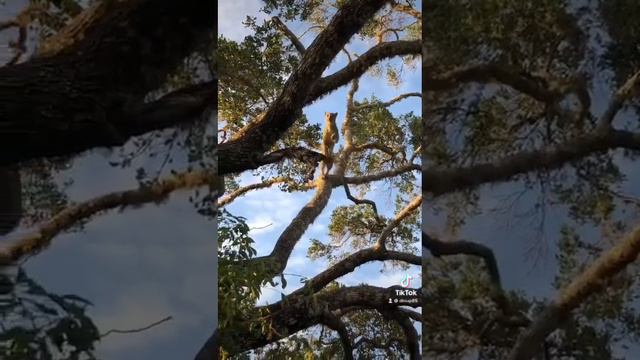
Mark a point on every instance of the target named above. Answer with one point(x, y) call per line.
point(271, 210)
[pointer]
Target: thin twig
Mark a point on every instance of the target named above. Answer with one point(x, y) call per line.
point(116, 331)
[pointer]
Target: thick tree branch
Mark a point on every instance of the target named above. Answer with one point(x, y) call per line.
point(296, 313)
point(35, 242)
point(210, 349)
point(287, 240)
point(299, 153)
point(358, 67)
point(238, 155)
point(412, 340)
point(403, 214)
point(542, 88)
point(178, 107)
point(440, 248)
point(289, 34)
point(622, 95)
point(350, 263)
point(414, 315)
point(334, 323)
point(74, 31)
point(358, 180)
point(592, 280)
point(489, 73)
point(224, 201)
point(96, 79)
point(175, 108)
point(442, 181)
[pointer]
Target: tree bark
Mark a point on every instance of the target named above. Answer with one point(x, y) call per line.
point(87, 94)
point(297, 313)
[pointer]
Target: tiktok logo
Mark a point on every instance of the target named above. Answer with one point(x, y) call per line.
point(406, 282)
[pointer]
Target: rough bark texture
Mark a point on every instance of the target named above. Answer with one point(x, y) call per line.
point(298, 313)
point(84, 96)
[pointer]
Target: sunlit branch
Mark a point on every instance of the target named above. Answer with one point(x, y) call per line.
point(358, 180)
point(409, 10)
point(358, 67)
point(158, 192)
point(622, 95)
point(245, 189)
point(351, 262)
point(390, 102)
point(403, 214)
point(592, 280)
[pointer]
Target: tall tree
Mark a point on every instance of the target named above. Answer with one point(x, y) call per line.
point(520, 94)
point(322, 318)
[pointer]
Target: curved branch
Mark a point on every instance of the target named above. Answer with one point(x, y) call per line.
point(334, 323)
point(299, 153)
point(359, 66)
point(350, 263)
point(224, 201)
point(440, 248)
point(358, 180)
point(442, 181)
point(403, 214)
point(590, 281)
point(360, 201)
point(390, 102)
point(377, 146)
point(412, 340)
point(289, 34)
point(35, 242)
point(296, 313)
point(288, 239)
point(414, 315)
point(375, 253)
point(489, 73)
